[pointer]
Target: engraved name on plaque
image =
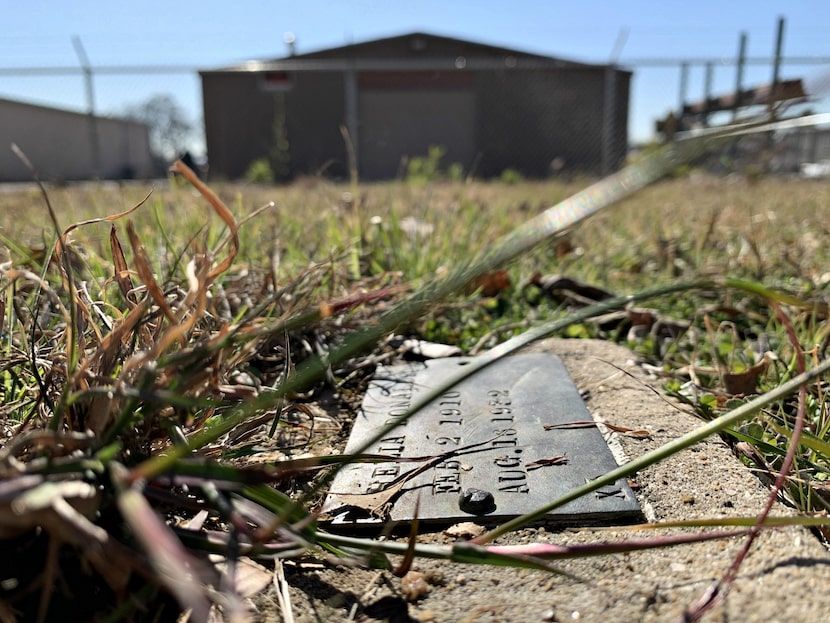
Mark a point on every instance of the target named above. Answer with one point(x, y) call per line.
point(511, 453)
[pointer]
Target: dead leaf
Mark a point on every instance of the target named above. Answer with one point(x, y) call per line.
point(250, 577)
point(283, 596)
point(378, 504)
point(121, 271)
point(404, 568)
point(490, 284)
point(221, 210)
point(641, 317)
point(197, 522)
point(628, 432)
point(746, 382)
point(145, 273)
point(564, 247)
point(328, 309)
point(565, 289)
point(429, 350)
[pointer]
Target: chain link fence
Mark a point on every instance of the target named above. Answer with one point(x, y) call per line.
point(77, 123)
point(658, 88)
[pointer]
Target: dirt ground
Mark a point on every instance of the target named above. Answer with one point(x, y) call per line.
point(785, 577)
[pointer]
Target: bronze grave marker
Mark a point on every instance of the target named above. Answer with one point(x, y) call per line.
point(511, 453)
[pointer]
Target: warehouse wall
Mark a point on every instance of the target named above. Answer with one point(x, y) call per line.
point(59, 144)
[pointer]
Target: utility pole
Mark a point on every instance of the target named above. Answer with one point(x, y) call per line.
point(776, 65)
point(707, 91)
point(94, 140)
point(684, 89)
point(739, 80)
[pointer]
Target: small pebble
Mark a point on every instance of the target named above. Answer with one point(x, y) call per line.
point(465, 530)
point(435, 577)
point(549, 616)
point(414, 586)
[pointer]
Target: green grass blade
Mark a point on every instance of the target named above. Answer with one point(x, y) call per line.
point(715, 426)
point(524, 238)
point(747, 522)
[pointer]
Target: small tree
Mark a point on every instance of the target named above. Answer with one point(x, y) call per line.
point(170, 129)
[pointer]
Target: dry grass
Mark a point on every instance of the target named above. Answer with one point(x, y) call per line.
point(181, 325)
point(771, 228)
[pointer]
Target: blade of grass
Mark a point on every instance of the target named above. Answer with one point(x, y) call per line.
point(176, 568)
point(56, 409)
point(777, 522)
point(658, 454)
point(314, 369)
point(555, 219)
point(806, 439)
point(221, 210)
point(719, 589)
point(121, 271)
point(530, 556)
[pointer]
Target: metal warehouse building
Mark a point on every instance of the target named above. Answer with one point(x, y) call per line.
point(65, 145)
point(491, 108)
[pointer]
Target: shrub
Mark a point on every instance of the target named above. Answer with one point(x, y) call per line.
point(511, 176)
point(423, 169)
point(260, 172)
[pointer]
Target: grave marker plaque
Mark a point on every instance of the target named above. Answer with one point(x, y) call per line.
point(513, 455)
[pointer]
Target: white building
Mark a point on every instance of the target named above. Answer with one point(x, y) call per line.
point(65, 145)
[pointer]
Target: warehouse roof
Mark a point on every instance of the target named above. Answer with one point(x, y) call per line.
point(413, 51)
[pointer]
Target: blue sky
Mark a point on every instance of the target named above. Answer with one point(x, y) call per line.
point(209, 34)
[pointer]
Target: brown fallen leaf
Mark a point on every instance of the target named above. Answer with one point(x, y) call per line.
point(641, 317)
point(565, 289)
point(628, 432)
point(251, 577)
point(490, 284)
point(564, 247)
point(746, 382)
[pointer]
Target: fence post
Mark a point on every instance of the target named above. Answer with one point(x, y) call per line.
point(352, 120)
point(609, 125)
point(710, 76)
point(94, 145)
point(684, 87)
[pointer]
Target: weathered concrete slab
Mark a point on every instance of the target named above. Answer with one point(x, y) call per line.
point(785, 577)
point(520, 433)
